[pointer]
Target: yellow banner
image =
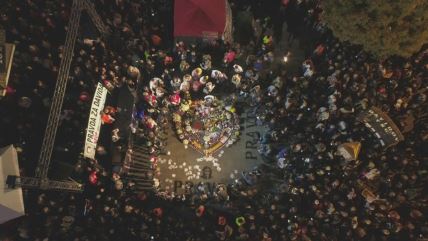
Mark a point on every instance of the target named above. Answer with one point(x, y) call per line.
point(6, 58)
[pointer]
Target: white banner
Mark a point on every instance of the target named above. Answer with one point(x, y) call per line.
point(94, 122)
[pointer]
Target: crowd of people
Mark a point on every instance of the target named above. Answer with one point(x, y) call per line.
point(304, 190)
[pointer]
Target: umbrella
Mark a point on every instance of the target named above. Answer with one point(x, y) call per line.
point(349, 150)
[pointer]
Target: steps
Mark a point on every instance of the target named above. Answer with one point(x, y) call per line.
point(140, 171)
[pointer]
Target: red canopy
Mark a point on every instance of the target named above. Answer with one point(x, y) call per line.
point(197, 18)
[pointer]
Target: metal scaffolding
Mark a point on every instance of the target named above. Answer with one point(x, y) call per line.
point(44, 184)
point(96, 20)
point(58, 98)
point(41, 174)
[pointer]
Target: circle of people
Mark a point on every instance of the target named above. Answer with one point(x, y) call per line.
point(303, 190)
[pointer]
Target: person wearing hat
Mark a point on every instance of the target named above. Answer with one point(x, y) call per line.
point(258, 65)
point(308, 68)
point(185, 86)
point(203, 79)
point(196, 85)
point(154, 83)
point(175, 83)
point(218, 76)
point(167, 60)
point(150, 98)
point(150, 122)
point(184, 66)
point(160, 91)
point(206, 62)
point(196, 73)
point(272, 91)
point(158, 212)
point(175, 99)
point(209, 87)
point(200, 211)
point(229, 57)
point(236, 80)
point(185, 105)
point(156, 40)
point(267, 40)
point(238, 69)
point(240, 221)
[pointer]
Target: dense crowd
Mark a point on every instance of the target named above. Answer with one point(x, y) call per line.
point(303, 191)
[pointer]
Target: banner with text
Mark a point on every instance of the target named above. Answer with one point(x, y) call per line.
point(94, 122)
point(6, 59)
point(382, 126)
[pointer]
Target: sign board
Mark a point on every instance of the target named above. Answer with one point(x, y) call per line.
point(381, 125)
point(94, 122)
point(209, 35)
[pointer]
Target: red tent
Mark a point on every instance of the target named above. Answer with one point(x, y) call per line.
point(199, 18)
